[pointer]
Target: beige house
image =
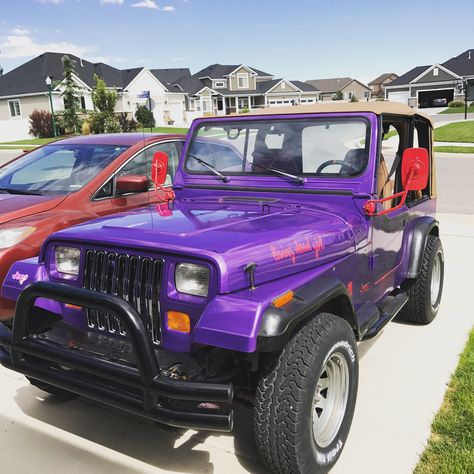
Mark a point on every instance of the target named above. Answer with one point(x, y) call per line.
point(222, 89)
point(377, 86)
point(344, 87)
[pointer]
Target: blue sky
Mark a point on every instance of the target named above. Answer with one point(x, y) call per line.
point(298, 39)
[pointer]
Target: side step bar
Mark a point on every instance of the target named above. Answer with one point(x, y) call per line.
point(387, 313)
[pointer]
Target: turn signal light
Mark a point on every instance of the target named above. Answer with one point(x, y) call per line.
point(72, 306)
point(283, 299)
point(179, 322)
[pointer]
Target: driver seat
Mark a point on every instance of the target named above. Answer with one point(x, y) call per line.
point(384, 185)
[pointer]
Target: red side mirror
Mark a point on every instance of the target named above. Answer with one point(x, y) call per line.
point(131, 183)
point(415, 169)
point(159, 168)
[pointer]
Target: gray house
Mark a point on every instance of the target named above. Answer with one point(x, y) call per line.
point(436, 84)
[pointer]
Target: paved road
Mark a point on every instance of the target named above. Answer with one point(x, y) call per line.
point(403, 374)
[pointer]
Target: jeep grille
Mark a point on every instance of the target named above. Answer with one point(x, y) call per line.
point(134, 278)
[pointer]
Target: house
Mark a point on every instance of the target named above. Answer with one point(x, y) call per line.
point(222, 89)
point(329, 88)
point(435, 84)
point(175, 96)
point(24, 89)
point(377, 86)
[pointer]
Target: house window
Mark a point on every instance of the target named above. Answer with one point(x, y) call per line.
point(219, 84)
point(283, 85)
point(83, 102)
point(435, 71)
point(243, 81)
point(14, 106)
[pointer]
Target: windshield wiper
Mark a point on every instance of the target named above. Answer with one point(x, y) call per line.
point(283, 173)
point(210, 168)
point(20, 191)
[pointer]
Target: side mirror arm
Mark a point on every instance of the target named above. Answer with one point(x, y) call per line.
point(370, 207)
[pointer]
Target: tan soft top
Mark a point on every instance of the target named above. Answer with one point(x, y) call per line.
point(378, 107)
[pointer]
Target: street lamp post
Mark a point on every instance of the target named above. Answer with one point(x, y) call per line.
point(48, 83)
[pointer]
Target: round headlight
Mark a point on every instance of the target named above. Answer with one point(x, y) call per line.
point(67, 260)
point(192, 279)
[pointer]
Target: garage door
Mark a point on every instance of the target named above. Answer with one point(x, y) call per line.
point(279, 103)
point(398, 97)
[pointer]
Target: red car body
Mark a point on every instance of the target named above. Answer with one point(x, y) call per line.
point(49, 213)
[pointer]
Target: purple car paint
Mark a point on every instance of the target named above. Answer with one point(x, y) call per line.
point(247, 233)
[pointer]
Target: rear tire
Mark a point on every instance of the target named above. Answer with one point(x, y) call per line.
point(424, 293)
point(306, 397)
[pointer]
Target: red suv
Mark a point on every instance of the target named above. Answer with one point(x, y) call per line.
point(73, 180)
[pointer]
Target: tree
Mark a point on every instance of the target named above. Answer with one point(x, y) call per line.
point(338, 95)
point(104, 101)
point(145, 117)
point(70, 96)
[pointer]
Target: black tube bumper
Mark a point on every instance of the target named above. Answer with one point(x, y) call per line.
point(142, 390)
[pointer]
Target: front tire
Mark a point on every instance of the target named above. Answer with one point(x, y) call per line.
point(424, 293)
point(306, 397)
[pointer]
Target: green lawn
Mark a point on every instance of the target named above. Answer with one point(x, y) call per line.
point(450, 449)
point(391, 133)
point(457, 110)
point(454, 149)
point(33, 141)
point(164, 130)
point(455, 132)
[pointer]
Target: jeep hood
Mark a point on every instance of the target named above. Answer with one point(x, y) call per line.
point(16, 206)
point(280, 239)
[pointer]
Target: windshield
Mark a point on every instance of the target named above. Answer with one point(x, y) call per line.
point(326, 147)
point(57, 168)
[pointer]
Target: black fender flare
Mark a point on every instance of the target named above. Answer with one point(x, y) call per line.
point(417, 235)
point(278, 324)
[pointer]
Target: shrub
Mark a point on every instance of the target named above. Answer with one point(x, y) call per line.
point(456, 103)
point(112, 124)
point(145, 117)
point(41, 124)
point(126, 124)
point(338, 95)
point(354, 99)
point(97, 121)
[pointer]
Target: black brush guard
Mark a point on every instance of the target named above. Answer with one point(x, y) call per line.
point(105, 381)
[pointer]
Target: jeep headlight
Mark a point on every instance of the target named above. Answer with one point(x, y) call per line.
point(67, 260)
point(192, 279)
point(11, 237)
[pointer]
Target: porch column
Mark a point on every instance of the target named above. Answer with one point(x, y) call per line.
point(250, 102)
point(224, 106)
point(236, 105)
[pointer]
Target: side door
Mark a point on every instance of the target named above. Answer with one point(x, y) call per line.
point(140, 164)
point(387, 230)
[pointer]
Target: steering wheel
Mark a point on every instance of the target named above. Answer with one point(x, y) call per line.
point(341, 163)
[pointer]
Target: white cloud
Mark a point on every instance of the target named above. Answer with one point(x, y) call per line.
point(21, 46)
point(146, 4)
point(111, 2)
point(106, 59)
point(20, 31)
point(168, 8)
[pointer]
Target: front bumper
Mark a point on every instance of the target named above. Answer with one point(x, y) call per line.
point(140, 390)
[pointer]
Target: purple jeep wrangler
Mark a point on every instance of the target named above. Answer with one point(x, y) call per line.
point(294, 233)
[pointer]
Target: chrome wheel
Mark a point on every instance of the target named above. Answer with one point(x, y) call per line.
point(330, 399)
point(435, 280)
